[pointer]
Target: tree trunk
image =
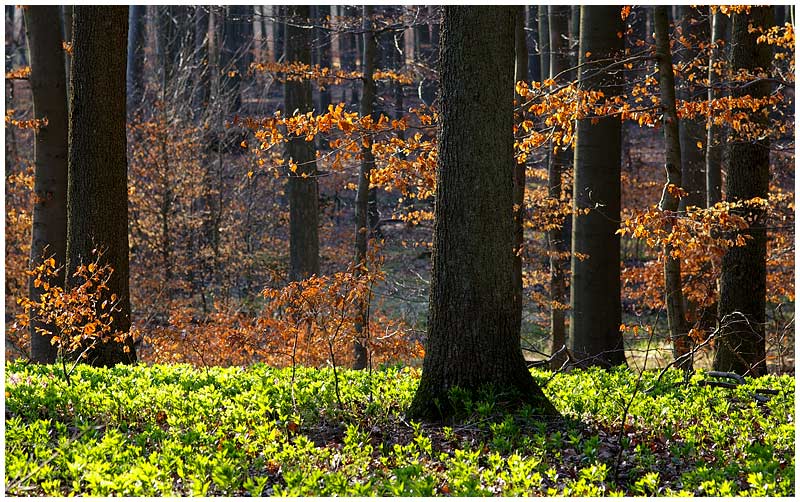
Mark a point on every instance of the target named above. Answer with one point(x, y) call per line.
point(742, 304)
point(544, 42)
point(303, 189)
point(594, 333)
point(48, 87)
point(258, 34)
point(692, 131)
point(558, 23)
point(323, 43)
point(534, 61)
point(135, 56)
point(520, 73)
point(97, 195)
point(676, 316)
point(472, 338)
point(715, 140)
point(66, 14)
point(201, 62)
point(362, 196)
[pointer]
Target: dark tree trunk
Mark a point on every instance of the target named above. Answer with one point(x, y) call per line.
point(303, 189)
point(48, 87)
point(534, 61)
point(472, 338)
point(742, 303)
point(676, 316)
point(363, 227)
point(323, 44)
point(715, 140)
point(97, 195)
point(693, 131)
point(558, 23)
point(544, 41)
point(235, 54)
point(594, 333)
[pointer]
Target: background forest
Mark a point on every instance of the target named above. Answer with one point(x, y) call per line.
point(318, 187)
point(210, 179)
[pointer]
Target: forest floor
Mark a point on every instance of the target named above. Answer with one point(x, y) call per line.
point(176, 430)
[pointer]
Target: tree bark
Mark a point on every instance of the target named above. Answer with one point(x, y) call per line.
point(323, 43)
point(558, 23)
point(48, 87)
point(303, 187)
point(692, 131)
point(472, 338)
point(97, 195)
point(676, 315)
point(544, 41)
point(594, 333)
point(363, 229)
point(202, 62)
point(135, 56)
point(742, 304)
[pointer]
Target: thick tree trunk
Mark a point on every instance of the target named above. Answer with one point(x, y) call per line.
point(559, 17)
point(363, 227)
point(520, 73)
point(594, 333)
point(742, 303)
point(715, 140)
point(97, 195)
point(676, 316)
point(472, 338)
point(48, 87)
point(303, 188)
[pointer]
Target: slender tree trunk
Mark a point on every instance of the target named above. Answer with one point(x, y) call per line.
point(742, 303)
point(362, 196)
point(594, 333)
point(472, 337)
point(48, 87)
point(520, 73)
point(693, 131)
point(558, 23)
point(258, 35)
point(97, 195)
point(135, 56)
point(532, 25)
point(303, 189)
point(323, 43)
point(201, 62)
point(715, 140)
point(676, 316)
point(574, 32)
point(544, 42)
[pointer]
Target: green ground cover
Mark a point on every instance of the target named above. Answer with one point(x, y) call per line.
point(176, 430)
